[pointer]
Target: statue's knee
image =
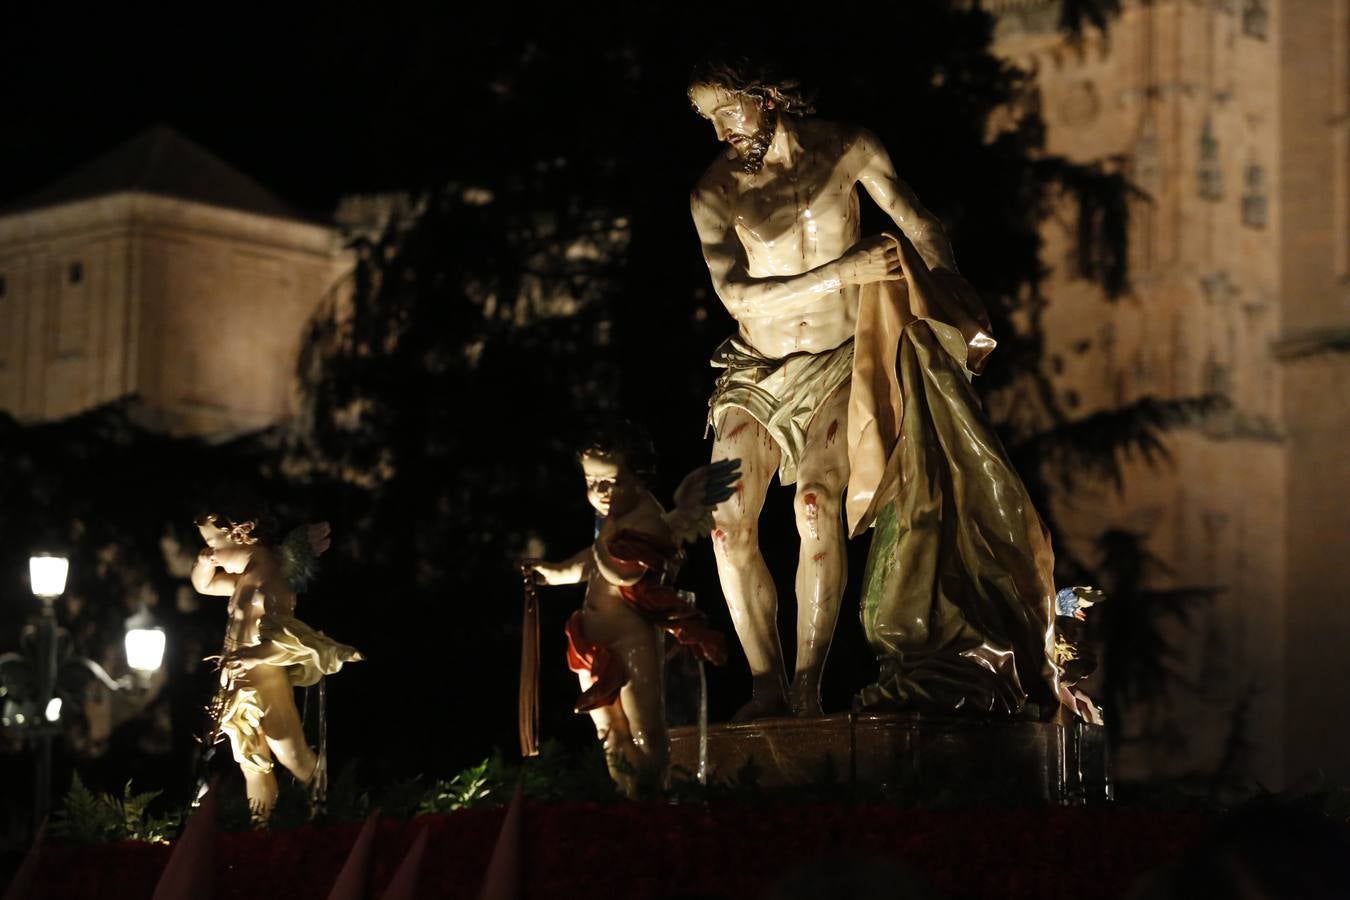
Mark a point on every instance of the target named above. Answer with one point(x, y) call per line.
point(817, 507)
point(734, 540)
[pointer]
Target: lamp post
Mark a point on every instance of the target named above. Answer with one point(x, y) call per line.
point(47, 573)
point(41, 683)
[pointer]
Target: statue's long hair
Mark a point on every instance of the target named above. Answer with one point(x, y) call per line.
point(741, 76)
point(617, 439)
point(246, 517)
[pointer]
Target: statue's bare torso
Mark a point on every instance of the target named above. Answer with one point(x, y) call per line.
point(260, 587)
point(788, 222)
point(791, 226)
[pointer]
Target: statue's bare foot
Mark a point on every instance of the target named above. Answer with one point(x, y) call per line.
point(767, 698)
point(805, 696)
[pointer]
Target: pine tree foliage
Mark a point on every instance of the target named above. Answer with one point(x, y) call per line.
point(1075, 15)
point(1094, 447)
point(1143, 665)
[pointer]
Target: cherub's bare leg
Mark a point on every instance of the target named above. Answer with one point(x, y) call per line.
point(611, 727)
point(644, 703)
point(281, 722)
point(746, 581)
point(259, 787)
point(822, 563)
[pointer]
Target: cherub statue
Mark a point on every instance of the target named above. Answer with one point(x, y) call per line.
point(616, 641)
point(267, 651)
point(1073, 652)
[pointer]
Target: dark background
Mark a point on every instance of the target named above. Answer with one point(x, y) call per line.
point(575, 119)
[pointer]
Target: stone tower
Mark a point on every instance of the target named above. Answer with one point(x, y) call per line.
point(1234, 117)
point(158, 271)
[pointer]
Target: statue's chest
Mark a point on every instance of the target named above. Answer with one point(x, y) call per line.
point(812, 202)
point(247, 606)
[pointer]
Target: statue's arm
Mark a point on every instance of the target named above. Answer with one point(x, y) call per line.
point(573, 570)
point(747, 297)
point(897, 200)
point(617, 572)
point(207, 577)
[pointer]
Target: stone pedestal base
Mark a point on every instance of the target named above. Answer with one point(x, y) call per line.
point(912, 757)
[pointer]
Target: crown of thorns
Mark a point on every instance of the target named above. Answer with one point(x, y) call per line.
point(742, 77)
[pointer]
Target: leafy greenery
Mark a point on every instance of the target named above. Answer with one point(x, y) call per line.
point(469, 788)
point(559, 775)
point(87, 817)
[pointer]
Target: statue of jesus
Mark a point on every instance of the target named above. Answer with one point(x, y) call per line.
point(849, 376)
point(777, 216)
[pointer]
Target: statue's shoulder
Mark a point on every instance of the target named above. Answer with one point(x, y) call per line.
point(837, 138)
point(721, 173)
point(713, 195)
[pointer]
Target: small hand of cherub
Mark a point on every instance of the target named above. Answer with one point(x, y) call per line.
point(240, 661)
point(531, 570)
point(227, 674)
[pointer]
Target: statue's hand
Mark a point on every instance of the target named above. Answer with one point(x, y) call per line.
point(871, 259)
point(534, 569)
point(240, 661)
point(226, 676)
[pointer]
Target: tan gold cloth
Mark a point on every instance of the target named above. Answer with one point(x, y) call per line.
point(307, 655)
point(782, 395)
point(958, 593)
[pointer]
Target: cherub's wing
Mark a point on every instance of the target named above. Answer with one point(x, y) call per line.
point(300, 553)
point(1072, 601)
point(697, 496)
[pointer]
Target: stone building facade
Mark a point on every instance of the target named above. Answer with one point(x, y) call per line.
point(159, 271)
point(1233, 116)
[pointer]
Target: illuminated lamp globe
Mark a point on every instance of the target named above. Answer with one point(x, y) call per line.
point(145, 649)
point(47, 574)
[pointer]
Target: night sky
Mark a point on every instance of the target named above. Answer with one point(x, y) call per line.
point(351, 97)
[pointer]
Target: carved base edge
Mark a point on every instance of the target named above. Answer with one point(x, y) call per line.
point(912, 758)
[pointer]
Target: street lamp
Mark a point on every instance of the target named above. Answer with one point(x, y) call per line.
point(39, 683)
point(47, 573)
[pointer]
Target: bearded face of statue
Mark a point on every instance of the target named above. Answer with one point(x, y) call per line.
point(741, 120)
